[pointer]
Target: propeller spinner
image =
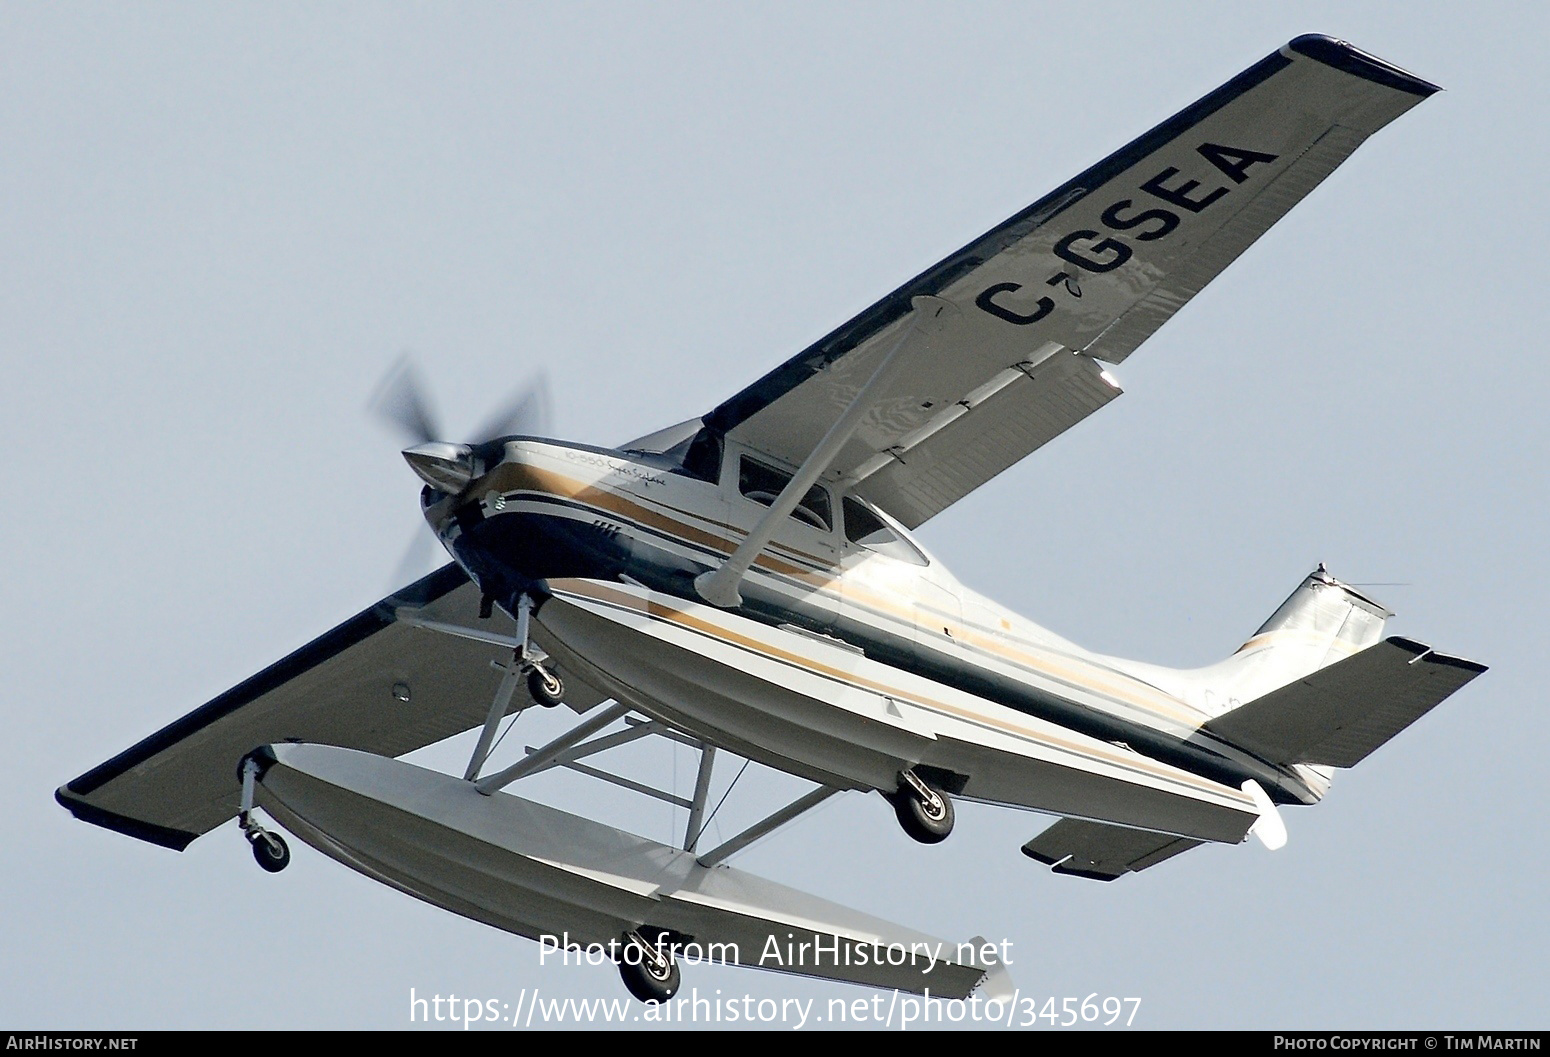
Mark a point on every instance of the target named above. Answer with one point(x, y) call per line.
point(403, 401)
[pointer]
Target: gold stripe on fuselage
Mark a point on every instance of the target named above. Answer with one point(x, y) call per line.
point(510, 477)
point(823, 576)
point(1309, 638)
point(680, 615)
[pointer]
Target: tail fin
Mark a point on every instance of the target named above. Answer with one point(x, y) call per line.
point(1316, 690)
point(1322, 622)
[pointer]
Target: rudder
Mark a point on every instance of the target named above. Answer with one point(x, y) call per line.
point(1321, 622)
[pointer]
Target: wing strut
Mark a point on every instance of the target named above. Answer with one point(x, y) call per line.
point(719, 586)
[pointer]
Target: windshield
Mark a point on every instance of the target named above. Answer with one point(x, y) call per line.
point(866, 528)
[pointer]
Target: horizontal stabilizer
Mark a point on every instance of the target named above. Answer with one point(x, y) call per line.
point(1101, 852)
point(1338, 715)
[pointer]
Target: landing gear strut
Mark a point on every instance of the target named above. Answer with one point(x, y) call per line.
point(545, 687)
point(649, 971)
point(269, 849)
point(924, 812)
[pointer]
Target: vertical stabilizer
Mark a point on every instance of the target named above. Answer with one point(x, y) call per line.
point(1322, 622)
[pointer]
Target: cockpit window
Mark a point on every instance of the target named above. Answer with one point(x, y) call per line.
point(702, 456)
point(865, 529)
point(763, 484)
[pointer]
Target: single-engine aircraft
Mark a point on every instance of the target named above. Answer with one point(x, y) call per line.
point(747, 582)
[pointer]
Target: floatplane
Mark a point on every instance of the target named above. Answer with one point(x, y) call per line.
point(747, 583)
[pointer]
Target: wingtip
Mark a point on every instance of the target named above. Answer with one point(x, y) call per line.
point(151, 833)
point(1425, 653)
point(1346, 57)
point(1459, 662)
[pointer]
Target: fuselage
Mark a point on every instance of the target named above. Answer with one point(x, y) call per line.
point(538, 510)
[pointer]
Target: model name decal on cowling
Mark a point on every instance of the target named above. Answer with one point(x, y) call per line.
point(1099, 251)
point(618, 467)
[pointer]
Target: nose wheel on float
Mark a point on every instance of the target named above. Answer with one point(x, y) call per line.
point(543, 686)
point(924, 811)
point(269, 849)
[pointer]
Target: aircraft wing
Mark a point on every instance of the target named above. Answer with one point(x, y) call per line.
point(1338, 715)
point(1078, 279)
point(1101, 852)
point(376, 683)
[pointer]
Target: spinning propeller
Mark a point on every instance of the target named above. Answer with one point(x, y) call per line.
point(402, 400)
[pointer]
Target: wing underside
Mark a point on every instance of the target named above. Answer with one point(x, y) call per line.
point(1078, 279)
point(377, 683)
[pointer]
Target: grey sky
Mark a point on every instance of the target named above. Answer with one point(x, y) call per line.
point(221, 223)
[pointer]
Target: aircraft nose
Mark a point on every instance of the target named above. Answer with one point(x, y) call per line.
point(445, 467)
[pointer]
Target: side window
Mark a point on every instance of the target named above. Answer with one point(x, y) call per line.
point(763, 484)
point(702, 457)
point(866, 529)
